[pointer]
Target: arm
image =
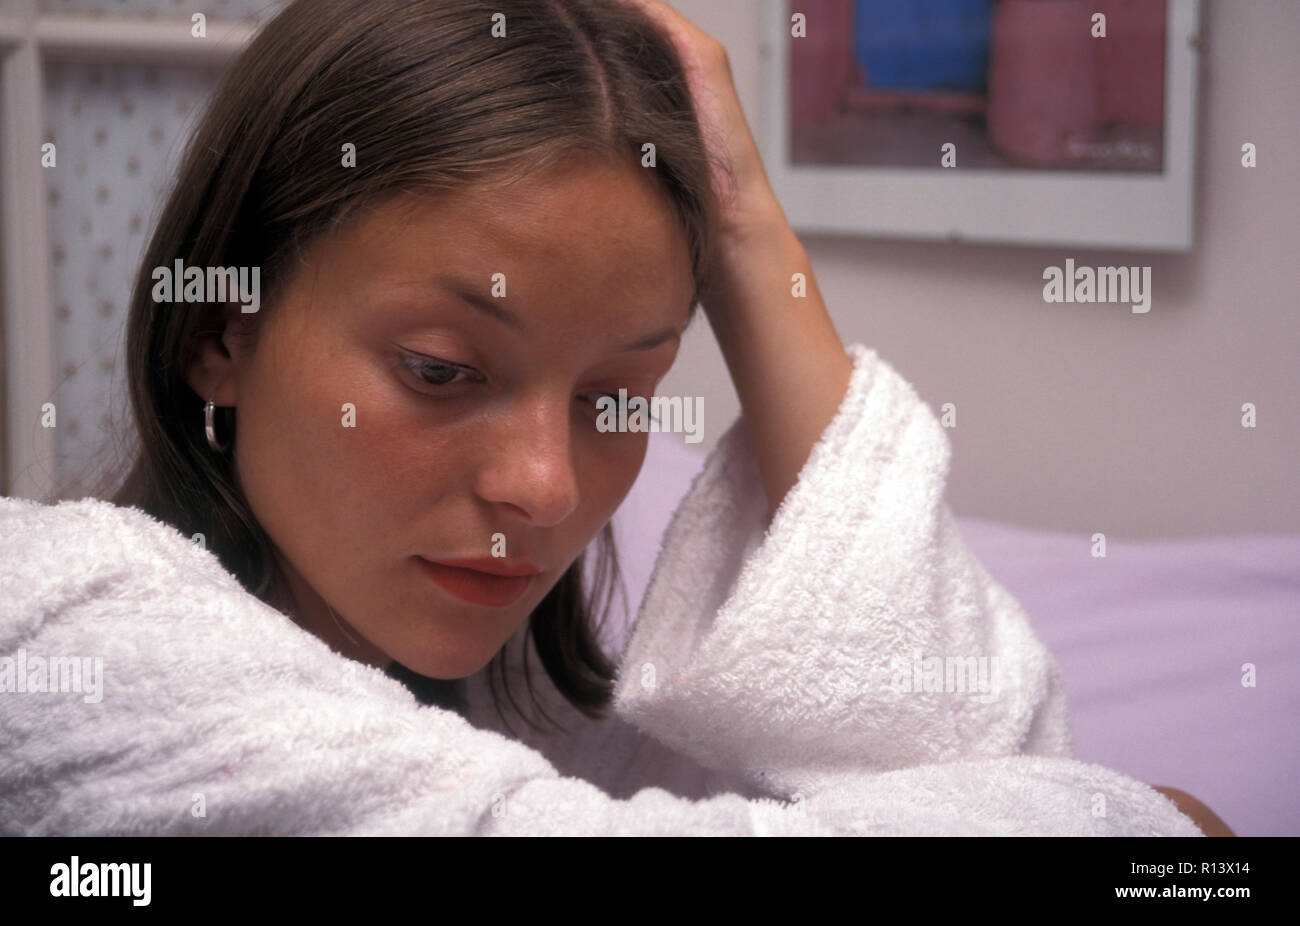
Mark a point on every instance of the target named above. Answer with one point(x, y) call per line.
point(856, 632)
point(789, 366)
point(202, 711)
point(218, 716)
point(785, 358)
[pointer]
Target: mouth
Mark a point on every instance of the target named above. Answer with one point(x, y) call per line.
point(505, 585)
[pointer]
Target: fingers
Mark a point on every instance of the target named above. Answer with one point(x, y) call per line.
point(1206, 819)
point(679, 27)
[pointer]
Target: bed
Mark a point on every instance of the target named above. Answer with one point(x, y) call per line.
point(1181, 657)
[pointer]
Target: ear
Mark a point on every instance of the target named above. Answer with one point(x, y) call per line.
point(220, 345)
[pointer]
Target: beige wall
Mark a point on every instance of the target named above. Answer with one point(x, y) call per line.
point(1088, 417)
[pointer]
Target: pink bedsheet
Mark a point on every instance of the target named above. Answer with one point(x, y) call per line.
point(1154, 642)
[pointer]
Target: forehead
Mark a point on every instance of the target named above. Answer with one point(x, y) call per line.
point(602, 227)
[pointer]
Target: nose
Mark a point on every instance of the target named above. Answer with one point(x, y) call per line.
point(529, 462)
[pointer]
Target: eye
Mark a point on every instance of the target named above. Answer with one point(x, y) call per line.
point(597, 396)
point(436, 373)
point(624, 407)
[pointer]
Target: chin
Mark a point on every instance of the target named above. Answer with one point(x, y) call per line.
point(445, 665)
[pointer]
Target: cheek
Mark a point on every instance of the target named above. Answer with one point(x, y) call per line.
point(279, 463)
point(378, 467)
point(608, 473)
point(324, 457)
point(393, 470)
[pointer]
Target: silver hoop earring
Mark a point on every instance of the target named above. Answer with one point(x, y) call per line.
point(210, 426)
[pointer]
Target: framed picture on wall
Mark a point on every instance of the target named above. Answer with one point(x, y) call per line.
point(1045, 122)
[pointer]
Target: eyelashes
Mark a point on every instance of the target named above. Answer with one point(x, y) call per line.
point(421, 368)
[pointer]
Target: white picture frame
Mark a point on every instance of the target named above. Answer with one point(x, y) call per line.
point(1150, 212)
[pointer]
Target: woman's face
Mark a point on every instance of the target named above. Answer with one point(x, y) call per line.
point(394, 407)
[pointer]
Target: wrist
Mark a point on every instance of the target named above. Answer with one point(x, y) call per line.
point(756, 219)
point(754, 272)
point(753, 243)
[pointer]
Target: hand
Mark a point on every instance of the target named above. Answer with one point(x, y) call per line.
point(745, 197)
point(1206, 819)
point(789, 395)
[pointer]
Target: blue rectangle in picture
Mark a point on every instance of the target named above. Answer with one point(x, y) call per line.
point(923, 44)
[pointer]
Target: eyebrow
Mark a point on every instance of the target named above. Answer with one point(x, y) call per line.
point(494, 308)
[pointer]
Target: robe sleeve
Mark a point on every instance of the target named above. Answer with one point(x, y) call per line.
point(855, 633)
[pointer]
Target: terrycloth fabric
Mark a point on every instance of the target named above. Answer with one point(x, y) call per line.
point(798, 678)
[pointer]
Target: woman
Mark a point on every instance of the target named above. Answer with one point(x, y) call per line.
point(477, 223)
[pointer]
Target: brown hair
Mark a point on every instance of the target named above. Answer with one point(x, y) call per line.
point(433, 102)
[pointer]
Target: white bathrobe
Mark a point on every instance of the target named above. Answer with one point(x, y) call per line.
point(797, 678)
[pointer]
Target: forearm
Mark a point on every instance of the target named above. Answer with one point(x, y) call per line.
point(789, 366)
point(787, 362)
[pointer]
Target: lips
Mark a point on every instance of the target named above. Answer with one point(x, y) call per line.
point(491, 565)
point(469, 581)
